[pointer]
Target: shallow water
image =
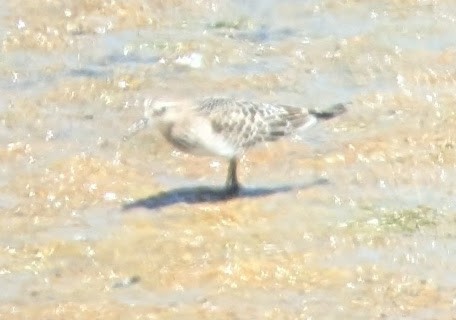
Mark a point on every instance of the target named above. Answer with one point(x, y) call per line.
point(355, 220)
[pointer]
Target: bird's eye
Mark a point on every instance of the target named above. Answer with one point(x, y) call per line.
point(160, 111)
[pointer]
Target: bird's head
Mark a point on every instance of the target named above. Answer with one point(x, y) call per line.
point(162, 110)
point(156, 112)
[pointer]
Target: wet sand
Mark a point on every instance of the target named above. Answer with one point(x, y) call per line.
point(354, 221)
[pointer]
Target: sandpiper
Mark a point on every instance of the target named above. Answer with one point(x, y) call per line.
point(226, 127)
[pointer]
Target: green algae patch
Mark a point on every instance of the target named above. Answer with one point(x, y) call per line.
point(400, 220)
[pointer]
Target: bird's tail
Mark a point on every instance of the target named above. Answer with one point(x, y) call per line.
point(329, 113)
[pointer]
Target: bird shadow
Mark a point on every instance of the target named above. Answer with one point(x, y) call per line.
point(205, 194)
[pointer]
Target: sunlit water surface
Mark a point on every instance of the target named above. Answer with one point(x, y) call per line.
point(355, 220)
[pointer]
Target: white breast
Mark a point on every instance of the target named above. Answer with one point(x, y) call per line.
point(211, 141)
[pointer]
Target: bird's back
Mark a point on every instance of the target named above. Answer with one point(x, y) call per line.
point(244, 123)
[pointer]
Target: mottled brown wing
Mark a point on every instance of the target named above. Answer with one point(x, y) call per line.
point(286, 119)
point(244, 124)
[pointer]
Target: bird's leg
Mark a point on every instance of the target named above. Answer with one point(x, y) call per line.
point(232, 184)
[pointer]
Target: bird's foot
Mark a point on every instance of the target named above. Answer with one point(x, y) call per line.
point(232, 189)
